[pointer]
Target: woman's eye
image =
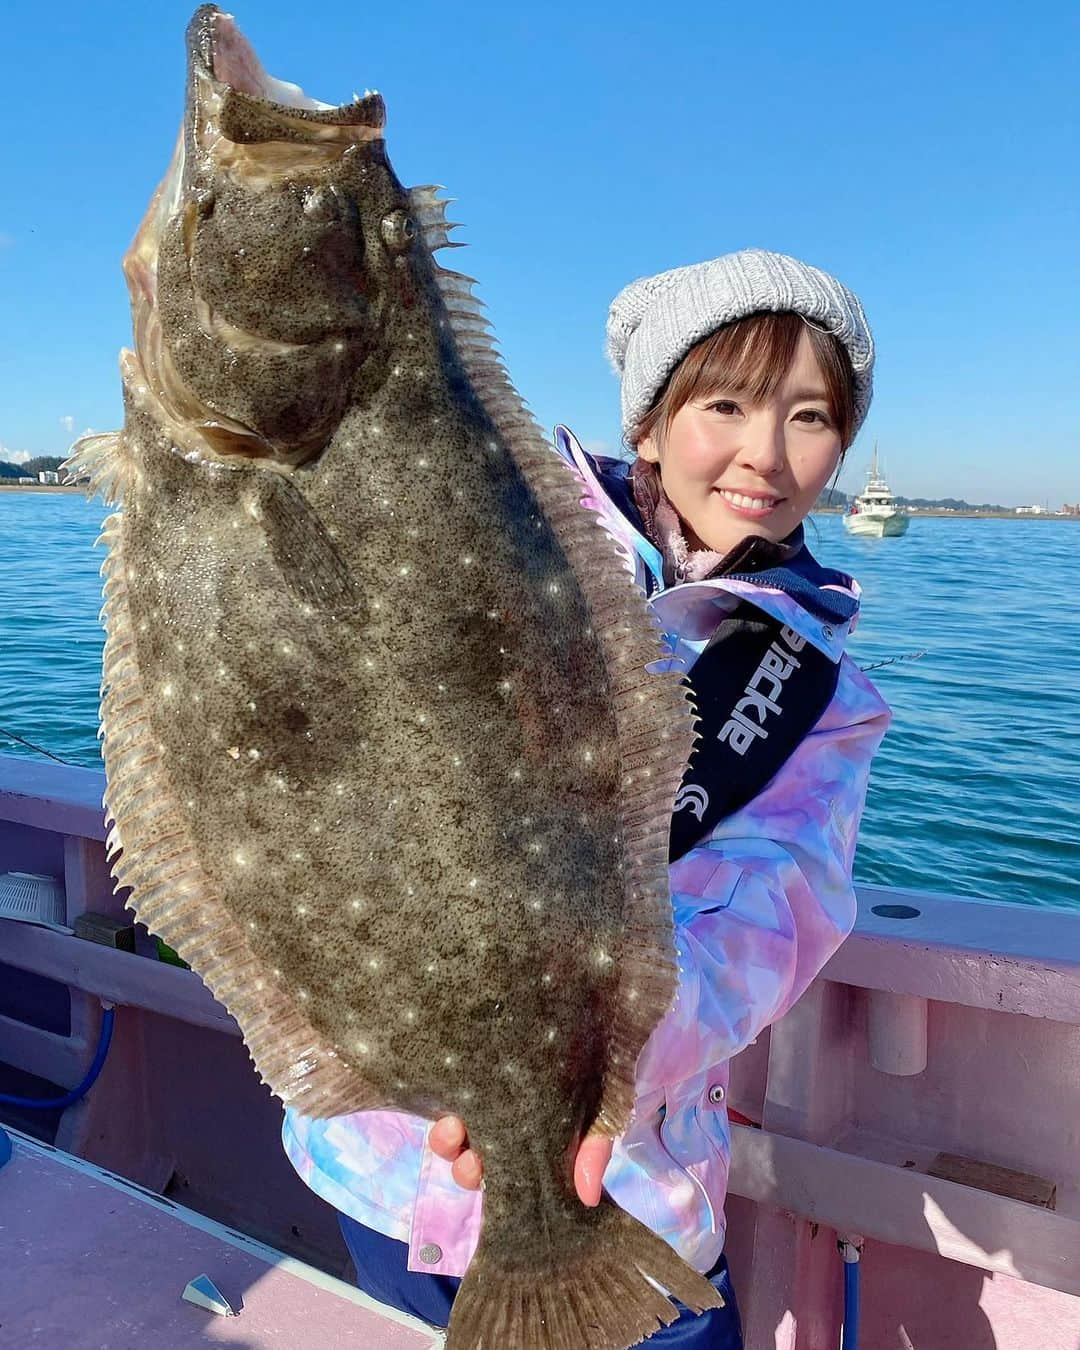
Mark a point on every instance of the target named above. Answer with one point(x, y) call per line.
point(814, 413)
point(724, 405)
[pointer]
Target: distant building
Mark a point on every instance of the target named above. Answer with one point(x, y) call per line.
point(1073, 510)
point(26, 480)
point(48, 476)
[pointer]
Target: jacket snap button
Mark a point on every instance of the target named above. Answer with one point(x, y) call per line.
point(430, 1252)
point(716, 1094)
point(827, 633)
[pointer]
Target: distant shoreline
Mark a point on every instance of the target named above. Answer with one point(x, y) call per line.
point(818, 511)
point(40, 487)
point(957, 515)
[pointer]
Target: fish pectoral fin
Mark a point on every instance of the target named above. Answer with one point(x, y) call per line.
point(302, 547)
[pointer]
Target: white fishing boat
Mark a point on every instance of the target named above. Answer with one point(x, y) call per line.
point(875, 511)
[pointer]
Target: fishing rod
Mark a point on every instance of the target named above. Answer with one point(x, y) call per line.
point(31, 746)
point(891, 660)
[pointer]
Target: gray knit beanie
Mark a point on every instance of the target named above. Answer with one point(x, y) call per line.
point(655, 321)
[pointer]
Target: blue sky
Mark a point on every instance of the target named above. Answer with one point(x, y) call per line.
point(926, 154)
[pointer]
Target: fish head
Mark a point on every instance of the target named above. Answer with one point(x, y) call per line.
point(263, 270)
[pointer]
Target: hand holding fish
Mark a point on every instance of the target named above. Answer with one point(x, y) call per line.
point(449, 1140)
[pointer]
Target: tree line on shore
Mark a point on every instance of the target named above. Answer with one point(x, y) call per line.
point(47, 463)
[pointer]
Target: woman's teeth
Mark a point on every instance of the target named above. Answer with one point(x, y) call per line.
point(748, 503)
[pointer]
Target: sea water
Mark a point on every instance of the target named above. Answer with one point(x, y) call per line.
point(976, 790)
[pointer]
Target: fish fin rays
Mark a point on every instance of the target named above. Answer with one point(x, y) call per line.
point(97, 463)
point(307, 556)
point(177, 900)
point(653, 716)
point(590, 1295)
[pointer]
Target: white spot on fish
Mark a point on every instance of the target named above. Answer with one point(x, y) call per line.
point(587, 755)
point(234, 752)
point(302, 910)
point(473, 883)
point(254, 754)
point(286, 648)
point(410, 1014)
point(303, 995)
point(404, 570)
point(537, 904)
point(297, 855)
point(396, 370)
point(551, 1034)
point(374, 963)
point(515, 774)
point(166, 691)
point(547, 977)
point(467, 560)
point(504, 687)
point(339, 789)
point(356, 904)
point(362, 1048)
point(449, 1061)
point(603, 959)
point(251, 707)
point(430, 967)
point(240, 858)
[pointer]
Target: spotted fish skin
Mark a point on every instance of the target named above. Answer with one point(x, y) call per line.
point(384, 762)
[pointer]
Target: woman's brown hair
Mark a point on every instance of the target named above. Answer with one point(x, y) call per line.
point(751, 356)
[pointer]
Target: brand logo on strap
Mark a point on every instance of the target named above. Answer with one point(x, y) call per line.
point(692, 798)
point(747, 721)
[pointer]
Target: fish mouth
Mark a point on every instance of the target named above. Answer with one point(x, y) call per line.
point(239, 100)
point(244, 125)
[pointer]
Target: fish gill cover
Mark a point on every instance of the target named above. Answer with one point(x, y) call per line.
point(384, 762)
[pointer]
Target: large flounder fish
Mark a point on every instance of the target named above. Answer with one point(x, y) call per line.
point(384, 761)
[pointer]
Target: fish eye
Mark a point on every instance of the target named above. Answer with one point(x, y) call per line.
point(321, 203)
point(398, 231)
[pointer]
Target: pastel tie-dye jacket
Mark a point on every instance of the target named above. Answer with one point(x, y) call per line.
point(759, 907)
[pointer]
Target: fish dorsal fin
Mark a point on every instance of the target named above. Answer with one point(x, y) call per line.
point(654, 722)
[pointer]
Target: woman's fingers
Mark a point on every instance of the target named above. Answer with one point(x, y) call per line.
point(593, 1156)
point(447, 1137)
point(449, 1140)
point(468, 1170)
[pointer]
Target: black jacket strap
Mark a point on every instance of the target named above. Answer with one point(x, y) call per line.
point(758, 688)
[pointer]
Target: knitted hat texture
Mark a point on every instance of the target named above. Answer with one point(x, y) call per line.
point(655, 321)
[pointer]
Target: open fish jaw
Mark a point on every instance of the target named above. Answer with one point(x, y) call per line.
point(384, 761)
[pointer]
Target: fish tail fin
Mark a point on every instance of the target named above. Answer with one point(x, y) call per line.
point(594, 1292)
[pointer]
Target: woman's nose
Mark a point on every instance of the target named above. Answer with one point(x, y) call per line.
point(764, 449)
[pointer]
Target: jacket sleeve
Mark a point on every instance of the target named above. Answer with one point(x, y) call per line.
point(762, 904)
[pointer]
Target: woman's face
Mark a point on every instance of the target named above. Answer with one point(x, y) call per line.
point(731, 468)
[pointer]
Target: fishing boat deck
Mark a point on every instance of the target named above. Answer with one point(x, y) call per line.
point(91, 1260)
point(921, 1099)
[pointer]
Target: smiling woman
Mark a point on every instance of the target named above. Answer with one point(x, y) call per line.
point(749, 428)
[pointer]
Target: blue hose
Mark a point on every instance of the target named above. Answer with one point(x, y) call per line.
point(849, 1337)
point(81, 1089)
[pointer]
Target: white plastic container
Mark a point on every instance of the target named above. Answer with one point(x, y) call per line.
point(31, 897)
